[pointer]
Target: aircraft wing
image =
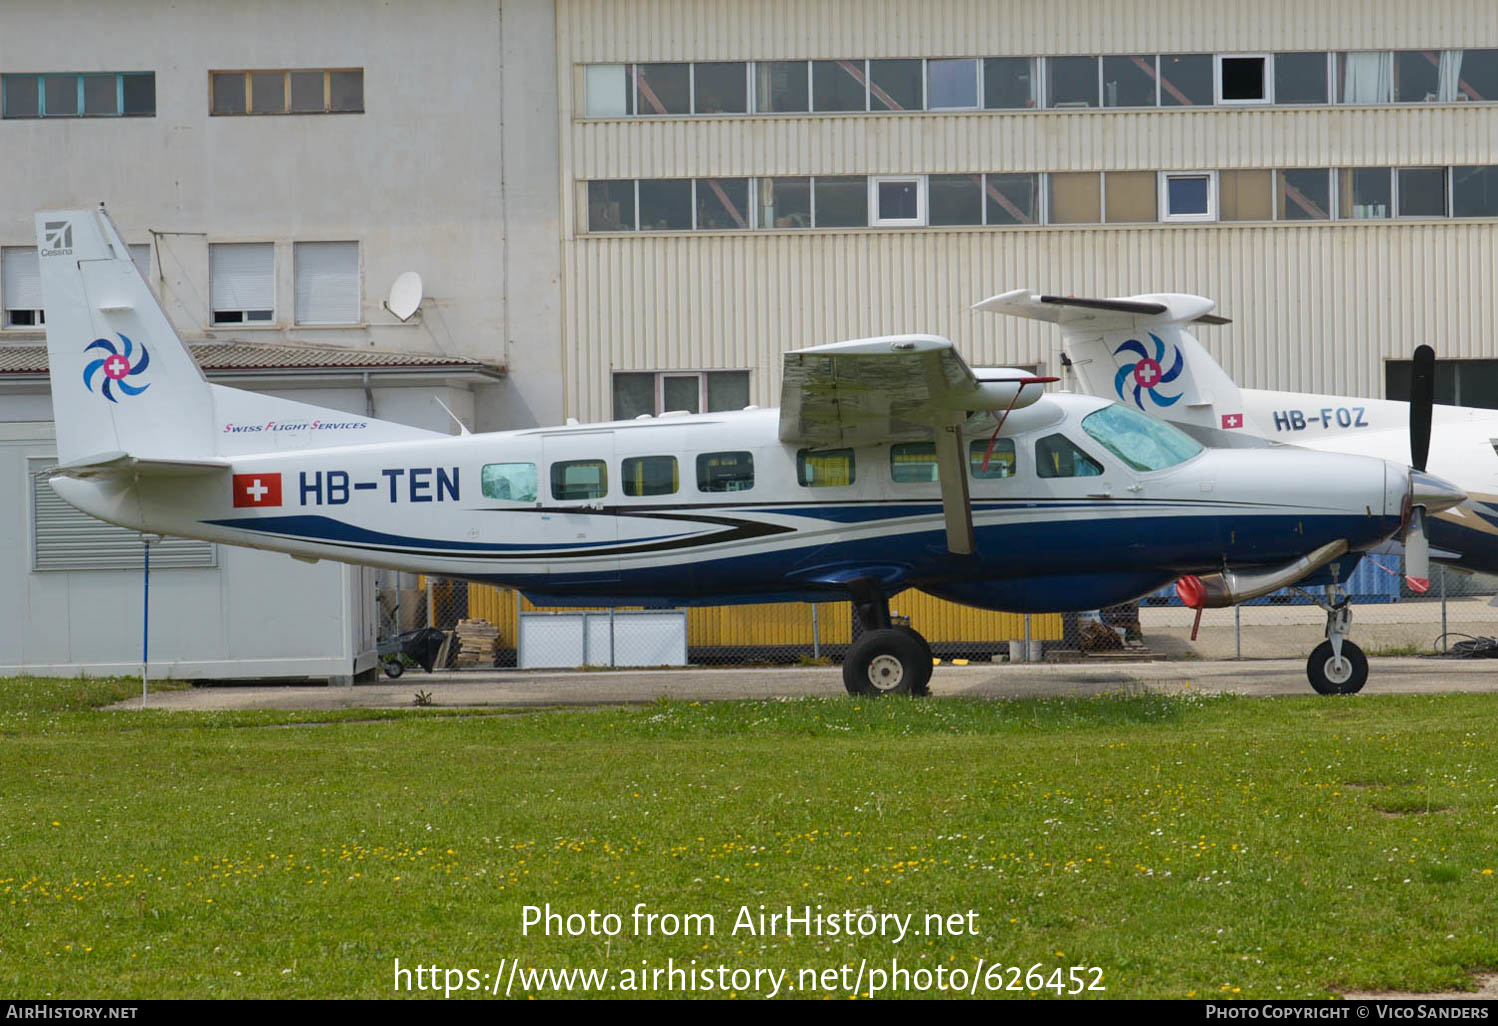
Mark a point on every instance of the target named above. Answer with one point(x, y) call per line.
point(122, 463)
point(898, 388)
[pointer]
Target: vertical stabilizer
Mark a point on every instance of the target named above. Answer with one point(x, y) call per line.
point(1137, 350)
point(122, 381)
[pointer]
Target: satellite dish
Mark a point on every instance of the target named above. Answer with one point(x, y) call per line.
point(405, 296)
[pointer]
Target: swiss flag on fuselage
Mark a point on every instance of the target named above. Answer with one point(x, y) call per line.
point(257, 490)
point(1232, 420)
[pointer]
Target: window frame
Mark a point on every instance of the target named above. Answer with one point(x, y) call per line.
point(658, 387)
point(1166, 216)
point(624, 477)
point(556, 465)
point(79, 95)
point(296, 283)
point(1267, 80)
point(802, 454)
point(698, 469)
point(484, 481)
point(245, 321)
point(1400, 215)
point(285, 73)
point(921, 213)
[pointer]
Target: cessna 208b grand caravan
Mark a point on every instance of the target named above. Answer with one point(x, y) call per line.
point(890, 465)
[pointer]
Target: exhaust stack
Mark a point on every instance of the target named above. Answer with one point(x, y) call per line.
point(1228, 588)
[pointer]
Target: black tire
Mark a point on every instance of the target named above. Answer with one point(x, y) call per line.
point(922, 686)
point(393, 668)
point(886, 662)
point(1326, 679)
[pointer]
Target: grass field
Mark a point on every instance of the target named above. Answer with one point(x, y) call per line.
point(1190, 847)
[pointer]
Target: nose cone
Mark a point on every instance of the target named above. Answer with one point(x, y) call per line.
point(1434, 493)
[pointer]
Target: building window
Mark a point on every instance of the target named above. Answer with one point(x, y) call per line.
point(782, 87)
point(611, 206)
point(66, 538)
point(665, 204)
point(91, 95)
point(1243, 78)
point(1129, 81)
point(327, 282)
point(840, 202)
point(1477, 76)
point(302, 91)
point(785, 202)
point(509, 482)
point(720, 88)
point(572, 480)
point(607, 92)
point(984, 463)
point(725, 472)
point(897, 201)
point(1428, 76)
point(952, 84)
point(663, 88)
point(1421, 191)
point(1187, 197)
point(828, 468)
point(954, 199)
point(242, 282)
point(1075, 197)
point(896, 85)
point(1303, 194)
point(1300, 78)
point(1470, 383)
point(648, 393)
point(1012, 199)
point(1365, 77)
point(839, 86)
point(1010, 83)
point(1474, 191)
point(1365, 193)
point(1186, 80)
point(1245, 195)
point(650, 475)
point(1071, 82)
point(1130, 196)
point(21, 287)
point(722, 204)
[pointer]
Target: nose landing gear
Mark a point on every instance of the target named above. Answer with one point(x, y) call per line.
point(1336, 666)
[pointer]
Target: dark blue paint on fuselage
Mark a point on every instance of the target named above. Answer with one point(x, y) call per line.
point(1478, 549)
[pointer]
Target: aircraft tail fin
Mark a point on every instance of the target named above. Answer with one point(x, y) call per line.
point(1137, 350)
point(123, 381)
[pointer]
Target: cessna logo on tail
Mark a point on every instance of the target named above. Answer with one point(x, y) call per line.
point(58, 236)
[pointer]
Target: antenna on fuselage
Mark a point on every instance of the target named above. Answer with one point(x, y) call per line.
point(462, 428)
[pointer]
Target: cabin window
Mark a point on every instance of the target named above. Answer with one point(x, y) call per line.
point(1001, 463)
point(824, 468)
point(1141, 441)
point(651, 475)
point(1057, 456)
point(509, 482)
point(725, 472)
point(579, 479)
point(913, 462)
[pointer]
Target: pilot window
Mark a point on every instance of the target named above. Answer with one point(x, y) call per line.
point(725, 472)
point(1056, 456)
point(913, 462)
point(650, 475)
point(579, 479)
point(1141, 441)
point(1001, 461)
point(509, 482)
point(824, 468)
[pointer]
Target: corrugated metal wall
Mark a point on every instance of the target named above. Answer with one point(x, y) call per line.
point(1316, 307)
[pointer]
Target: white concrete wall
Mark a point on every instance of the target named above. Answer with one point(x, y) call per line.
point(421, 179)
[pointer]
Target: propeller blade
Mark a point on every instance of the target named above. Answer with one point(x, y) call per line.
point(1417, 552)
point(1422, 399)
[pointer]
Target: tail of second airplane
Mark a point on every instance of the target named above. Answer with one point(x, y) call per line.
point(123, 382)
point(1138, 350)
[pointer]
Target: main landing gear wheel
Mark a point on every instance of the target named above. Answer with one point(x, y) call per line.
point(888, 661)
point(923, 687)
point(1330, 676)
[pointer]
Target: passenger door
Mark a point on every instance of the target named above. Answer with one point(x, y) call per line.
point(578, 504)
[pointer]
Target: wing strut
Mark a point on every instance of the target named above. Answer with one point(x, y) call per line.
point(954, 494)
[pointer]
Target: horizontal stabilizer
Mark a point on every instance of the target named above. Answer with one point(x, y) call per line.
point(1104, 314)
point(111, 464)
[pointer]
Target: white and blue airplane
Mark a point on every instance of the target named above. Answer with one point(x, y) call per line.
point(1140, 351)
point(891, 464)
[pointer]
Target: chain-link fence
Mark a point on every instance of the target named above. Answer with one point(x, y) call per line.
point(489, 627)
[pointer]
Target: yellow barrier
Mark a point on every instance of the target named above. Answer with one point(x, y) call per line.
point(789, 623)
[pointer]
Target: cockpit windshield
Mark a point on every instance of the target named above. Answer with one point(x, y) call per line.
point(1141, 441)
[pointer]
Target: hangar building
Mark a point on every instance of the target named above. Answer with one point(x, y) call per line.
point(631, 206)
